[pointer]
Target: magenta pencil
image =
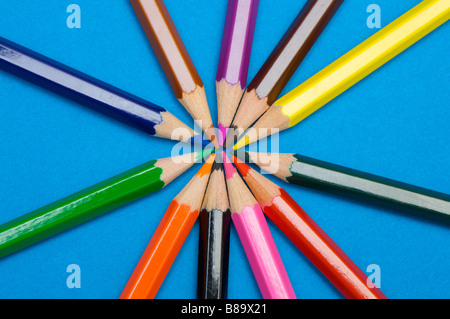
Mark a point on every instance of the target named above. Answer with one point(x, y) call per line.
point(234, 59)
point(256, 238)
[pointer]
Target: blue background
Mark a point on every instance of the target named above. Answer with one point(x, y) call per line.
point(395, 123)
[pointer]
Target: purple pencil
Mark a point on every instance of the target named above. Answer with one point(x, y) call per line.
point(234, 59)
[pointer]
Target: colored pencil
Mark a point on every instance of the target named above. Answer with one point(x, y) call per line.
point(293, 47)
point(168, 238)
point(301, 229)
point(306, 171)
point(214, 238)
point(349, 69)
point(91, 92)
point(175, 61)
point(93, 201)
point(234, 59)
point(256, 238)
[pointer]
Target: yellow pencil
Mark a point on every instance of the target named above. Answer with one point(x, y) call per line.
point(315, 92)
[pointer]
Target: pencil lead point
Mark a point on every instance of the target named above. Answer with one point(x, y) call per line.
point(228, 166)
point(223, 130)
point(242, 143)
point(204, 154)
point(241, 166)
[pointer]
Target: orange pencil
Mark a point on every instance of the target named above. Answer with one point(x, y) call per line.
point(168, 238)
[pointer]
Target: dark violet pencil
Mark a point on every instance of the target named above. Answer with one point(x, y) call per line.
point(91, 92)
point(234, 59)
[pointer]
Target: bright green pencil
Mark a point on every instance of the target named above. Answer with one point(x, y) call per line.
point(93, 201)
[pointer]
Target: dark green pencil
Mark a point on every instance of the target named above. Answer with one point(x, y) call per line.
point(302, 170)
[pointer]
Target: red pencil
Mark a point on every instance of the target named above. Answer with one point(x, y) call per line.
point(301, 229)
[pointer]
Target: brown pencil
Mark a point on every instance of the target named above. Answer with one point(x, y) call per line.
point(175, 61)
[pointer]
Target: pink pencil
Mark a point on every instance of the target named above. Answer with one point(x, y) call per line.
point(256, 238)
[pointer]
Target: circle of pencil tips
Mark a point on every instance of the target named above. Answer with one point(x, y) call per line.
point(219, 195)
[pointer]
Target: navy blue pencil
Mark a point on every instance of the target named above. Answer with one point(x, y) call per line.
point(93, 93)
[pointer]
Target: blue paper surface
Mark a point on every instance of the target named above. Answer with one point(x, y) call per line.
point(394, 123)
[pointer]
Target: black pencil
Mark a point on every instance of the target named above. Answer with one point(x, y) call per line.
point(214, 238)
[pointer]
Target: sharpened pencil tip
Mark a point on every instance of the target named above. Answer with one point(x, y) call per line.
point(242, 155)
point(228, 166)
point(214, 141)
point(211, 134)
point(223, 131)
point(204, 154)
point(242, 143)
point(199, 140)
point(246, 157)
point(217, 166)
point(241, 166)
point(206, 168)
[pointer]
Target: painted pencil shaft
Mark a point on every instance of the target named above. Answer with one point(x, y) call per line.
point(168, 238)
point(234, 59)
point(167, 45)
point(161, 252)
point(302, 170)
point(214, 238)
point(295, 44)
point(91, 202)
point(237, 42)
point(256, 238)
point(315, 244)
point(175, 61)
point(262, 253)
point(350, 68)
point(89, 91)
point(213, 254)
